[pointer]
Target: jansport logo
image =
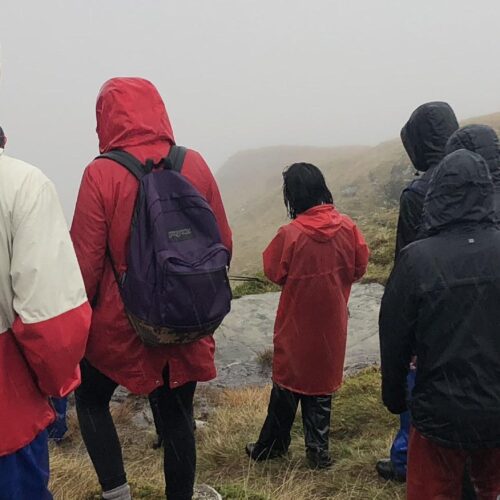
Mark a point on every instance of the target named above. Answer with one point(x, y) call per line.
point(181, 234)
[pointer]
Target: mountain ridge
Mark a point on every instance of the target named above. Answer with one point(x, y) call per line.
point(366, 182)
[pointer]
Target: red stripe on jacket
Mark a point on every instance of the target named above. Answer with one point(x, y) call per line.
point(38, 360)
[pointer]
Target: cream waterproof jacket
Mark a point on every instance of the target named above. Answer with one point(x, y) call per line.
point(44, 314)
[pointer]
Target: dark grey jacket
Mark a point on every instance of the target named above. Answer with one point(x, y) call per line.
point(442, 304)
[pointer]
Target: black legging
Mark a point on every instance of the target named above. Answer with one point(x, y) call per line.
point(103, 445)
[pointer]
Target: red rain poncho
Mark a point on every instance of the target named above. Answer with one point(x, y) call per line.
point(316, 258)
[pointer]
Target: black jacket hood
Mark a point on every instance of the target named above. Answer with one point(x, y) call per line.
point(425, 134)
point(480, 139)
point(460, 191)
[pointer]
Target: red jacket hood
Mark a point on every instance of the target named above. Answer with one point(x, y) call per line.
point(130, 112)
point(321, 223)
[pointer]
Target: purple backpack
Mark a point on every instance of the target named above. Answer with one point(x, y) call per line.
point(176, 288)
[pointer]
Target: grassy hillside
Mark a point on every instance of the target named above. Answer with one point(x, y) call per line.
point(362, 431)
point(366, 184)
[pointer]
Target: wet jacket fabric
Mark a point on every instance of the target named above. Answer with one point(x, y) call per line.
point(132, 116)
point(424, 137)
point(483, 140)
point(441, 303)
point(44, 313)
point(316, 259)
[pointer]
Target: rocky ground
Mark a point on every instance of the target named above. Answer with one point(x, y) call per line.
point(248, 332)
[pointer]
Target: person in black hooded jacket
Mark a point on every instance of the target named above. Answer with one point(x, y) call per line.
point(3, 139)
point(424, 137)
point(442, 304)
point(483, 140)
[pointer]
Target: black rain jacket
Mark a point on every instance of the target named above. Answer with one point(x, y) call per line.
point(442, 303)
point(424, 137)
point(483, 140)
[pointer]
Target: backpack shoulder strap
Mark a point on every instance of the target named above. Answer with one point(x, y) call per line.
point(175, 158)
point(131, 163)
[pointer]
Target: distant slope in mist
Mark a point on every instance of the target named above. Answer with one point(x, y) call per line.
point(251, 181)
point(364, 180)
point(248, 175)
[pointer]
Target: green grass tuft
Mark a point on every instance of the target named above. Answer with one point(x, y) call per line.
point(254, 287)
point(265, 359)
point(379, 230)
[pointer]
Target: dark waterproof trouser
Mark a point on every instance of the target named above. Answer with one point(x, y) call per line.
point(24, 475)
point(316, 413)
point(100, 437)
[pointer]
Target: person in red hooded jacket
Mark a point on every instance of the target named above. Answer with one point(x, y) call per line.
point(131, 116)
point(316, 259)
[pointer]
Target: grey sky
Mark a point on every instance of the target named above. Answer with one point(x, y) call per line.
point(238, 74)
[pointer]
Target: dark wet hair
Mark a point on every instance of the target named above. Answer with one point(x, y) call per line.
point(3, 139)
point(304, 187)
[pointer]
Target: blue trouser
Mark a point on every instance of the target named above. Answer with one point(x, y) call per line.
point(399, 448)
point(58, 429)
point(24, 475)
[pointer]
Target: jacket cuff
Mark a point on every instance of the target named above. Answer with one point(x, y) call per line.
point(396, 408)
point(394, 399)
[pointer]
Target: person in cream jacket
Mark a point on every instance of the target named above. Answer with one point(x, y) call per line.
point(44, 323)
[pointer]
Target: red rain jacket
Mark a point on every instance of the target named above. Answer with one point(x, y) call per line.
point(316, 258)
point(132, 116)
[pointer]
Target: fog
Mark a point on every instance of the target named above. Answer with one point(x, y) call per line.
point(239, 74)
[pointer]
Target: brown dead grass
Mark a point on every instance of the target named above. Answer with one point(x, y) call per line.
point(361, 433)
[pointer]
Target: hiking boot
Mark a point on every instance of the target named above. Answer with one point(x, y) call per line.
point(260, 453)
point(387, 471)
point(319, 459)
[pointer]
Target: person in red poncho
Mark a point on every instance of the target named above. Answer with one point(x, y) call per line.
point(131, 116)
point(316, 259)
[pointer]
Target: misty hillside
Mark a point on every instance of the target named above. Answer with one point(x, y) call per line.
point(366, 183)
